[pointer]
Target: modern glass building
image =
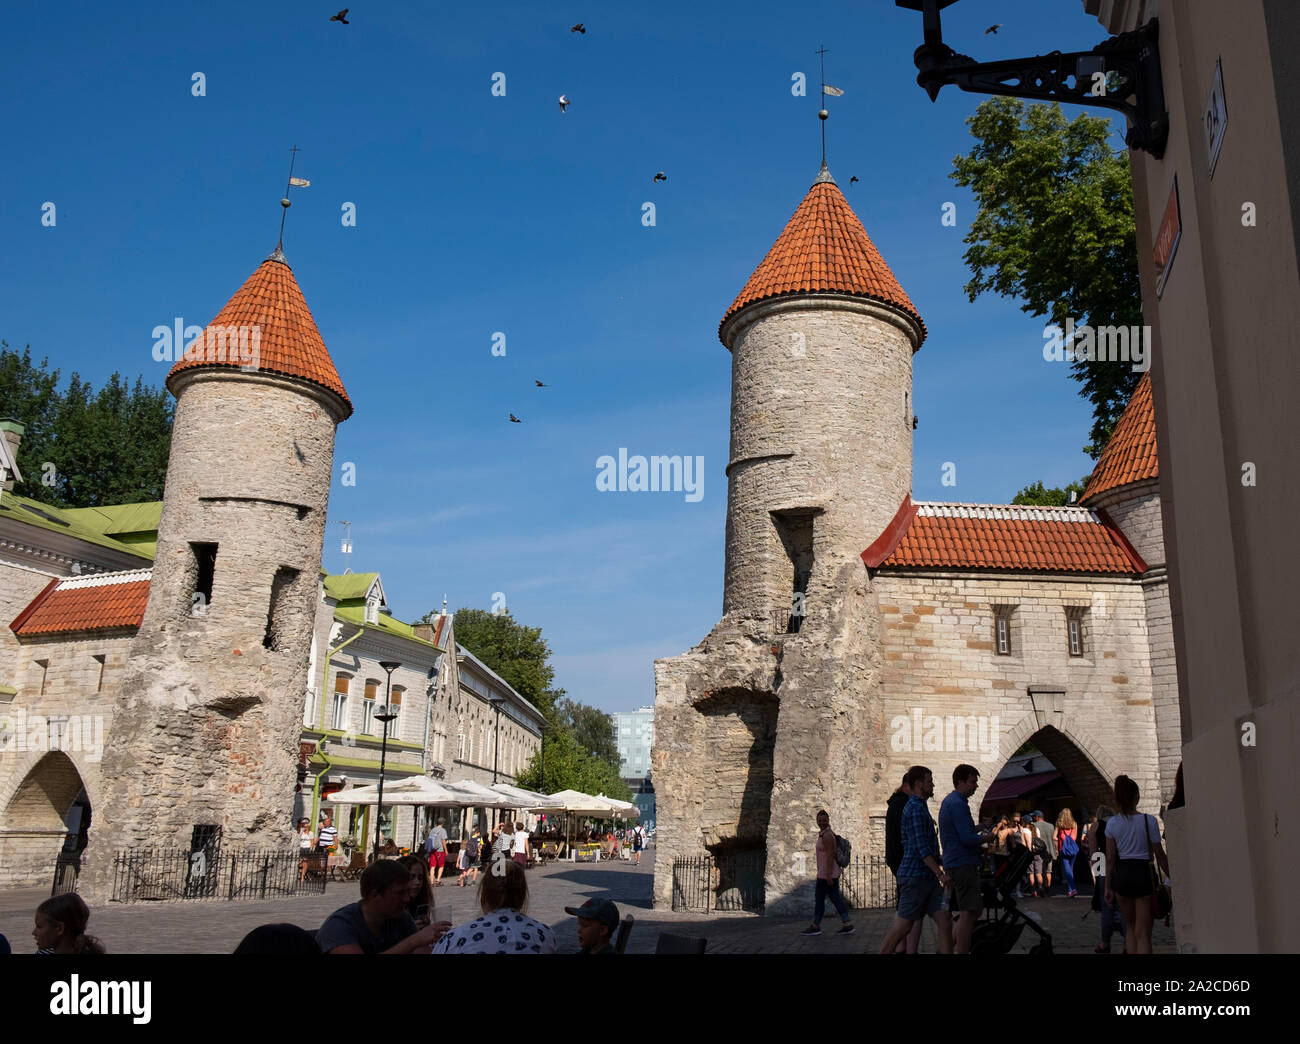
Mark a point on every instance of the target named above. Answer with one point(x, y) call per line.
point(636, 734)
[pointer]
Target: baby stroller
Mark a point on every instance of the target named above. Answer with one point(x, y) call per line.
point(1003, 921)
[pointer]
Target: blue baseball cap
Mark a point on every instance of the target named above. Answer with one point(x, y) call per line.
point(601, 910)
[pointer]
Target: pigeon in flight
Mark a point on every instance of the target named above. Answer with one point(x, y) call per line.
point(342, 16)
point(853, 180)
point(515, 420)
point(915, 421)
point(661, 176)
point(579, 28)
point(564, 102)
point(538, 383)
point(993, 29)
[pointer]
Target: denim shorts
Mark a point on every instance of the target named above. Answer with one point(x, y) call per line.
point(918, 897)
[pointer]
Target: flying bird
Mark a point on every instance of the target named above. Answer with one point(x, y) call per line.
point(993, 29)
point(564, 102)
point(342, 16)
point(915, 421)
point(661, 176)
point(515, 420)
point(853, 180)
point(579, 28)
point(538, 383)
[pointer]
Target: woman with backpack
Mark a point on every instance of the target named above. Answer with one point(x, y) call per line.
point(1132, 840)
point(1067, 843)
point(469, 858)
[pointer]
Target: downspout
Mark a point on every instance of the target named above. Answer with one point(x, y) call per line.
point(324, 676)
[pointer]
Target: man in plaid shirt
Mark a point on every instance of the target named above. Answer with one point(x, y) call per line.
point(921, 880)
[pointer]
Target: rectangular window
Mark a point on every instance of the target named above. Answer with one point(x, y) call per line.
point(1074, 621)
point(339, 716)
point(395, 708)
point(1004, 636)
point(205, 567)
point(460, 746)
point(368, 709)
point(282, 586)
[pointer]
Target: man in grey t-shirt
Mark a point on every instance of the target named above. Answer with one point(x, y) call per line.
point(379, 923)
point(435, 846)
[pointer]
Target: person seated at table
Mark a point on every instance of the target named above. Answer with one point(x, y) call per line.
point(379, 923)
point(419, 892)
point(504, 927)
point(597, 923)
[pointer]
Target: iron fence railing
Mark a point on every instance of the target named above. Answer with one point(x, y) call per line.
point(735, 882)
point(177, 874)
point(66, 868)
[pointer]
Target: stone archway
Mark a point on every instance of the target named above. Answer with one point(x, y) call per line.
point(35, 820)
point(1088, 770)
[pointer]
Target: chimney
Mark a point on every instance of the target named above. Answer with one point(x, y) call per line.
point(424, 630)
point(13, 436)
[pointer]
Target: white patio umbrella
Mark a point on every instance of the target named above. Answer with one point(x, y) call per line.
point(413, 790)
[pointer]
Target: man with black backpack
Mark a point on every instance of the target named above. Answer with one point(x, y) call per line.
point(832, 857)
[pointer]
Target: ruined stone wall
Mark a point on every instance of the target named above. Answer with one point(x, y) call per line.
point(208, 720)
point(940, 659)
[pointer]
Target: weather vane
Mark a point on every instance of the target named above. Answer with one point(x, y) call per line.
point(834, 92)
point(299, 183)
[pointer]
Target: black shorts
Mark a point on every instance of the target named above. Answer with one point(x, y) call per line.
point(1131, 878)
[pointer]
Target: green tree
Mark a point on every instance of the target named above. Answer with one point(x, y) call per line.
point(1055, 229)
point(569, 765)
point(592, 728)
point(107, 447)
point(1039, 495)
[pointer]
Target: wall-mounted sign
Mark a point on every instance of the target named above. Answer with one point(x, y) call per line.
point(1214, 120)
point(1171, 231)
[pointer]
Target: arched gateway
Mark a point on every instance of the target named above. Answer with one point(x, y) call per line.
point(46, 821)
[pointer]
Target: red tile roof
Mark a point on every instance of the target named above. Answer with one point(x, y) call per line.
point(1013, 538)
point(107, 601)
point(289, 343)
point(1130, 455)
point(824, 249)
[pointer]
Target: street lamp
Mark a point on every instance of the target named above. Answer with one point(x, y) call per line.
point(496, 702)
point(384, 714)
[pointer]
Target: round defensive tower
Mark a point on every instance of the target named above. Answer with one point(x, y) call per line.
point(203, 748)
point(822, 338)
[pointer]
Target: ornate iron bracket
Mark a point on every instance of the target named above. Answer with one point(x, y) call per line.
point(1121, 73)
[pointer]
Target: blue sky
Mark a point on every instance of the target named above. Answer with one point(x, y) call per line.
point(478, 214)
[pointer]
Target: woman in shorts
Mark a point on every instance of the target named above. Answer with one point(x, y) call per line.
point(1131, 839)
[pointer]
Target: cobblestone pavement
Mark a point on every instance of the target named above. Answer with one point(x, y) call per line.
point(217, 927)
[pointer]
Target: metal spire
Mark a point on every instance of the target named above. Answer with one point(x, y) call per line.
point(279, 246)
point(822, 114)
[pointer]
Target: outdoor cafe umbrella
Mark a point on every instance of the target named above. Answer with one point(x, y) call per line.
point(576, 803)
point(414, 790)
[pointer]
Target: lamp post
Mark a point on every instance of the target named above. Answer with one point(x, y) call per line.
point(496, 702)
point(384, 714)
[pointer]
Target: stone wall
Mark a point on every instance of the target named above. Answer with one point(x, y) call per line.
point(1098, 709)
point(37, 787)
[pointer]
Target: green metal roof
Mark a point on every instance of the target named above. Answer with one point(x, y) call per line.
point(92, 525)
point(347, 587)
point(356, 615)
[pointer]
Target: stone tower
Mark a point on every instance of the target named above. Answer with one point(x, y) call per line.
point(777, 713)
point(206, 726)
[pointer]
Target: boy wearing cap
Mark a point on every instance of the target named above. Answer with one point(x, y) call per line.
point(597, 922)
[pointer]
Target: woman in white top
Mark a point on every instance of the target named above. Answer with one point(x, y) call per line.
point(1131, 839)
point(520, 847)
point(504, 927)
point(305, 842)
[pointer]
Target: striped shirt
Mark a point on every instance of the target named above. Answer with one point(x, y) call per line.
point(328, 835)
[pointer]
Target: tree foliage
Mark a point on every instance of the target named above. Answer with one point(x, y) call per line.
point(107, 447)
point(1041, 496)
point(1055, 229)
point(592, 728)
point(517, 653)
point(569, 765)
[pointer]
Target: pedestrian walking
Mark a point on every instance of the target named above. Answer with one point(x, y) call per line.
point(638, 843)
point(921, 880)
point(471, 853)
point(1111, 917)
point(521, 848)
point(1067, 843)
point(435, 847)
point(894, 852)
point(828, 880)
point(306, 840)
point(1132, 840)
point(962, 845)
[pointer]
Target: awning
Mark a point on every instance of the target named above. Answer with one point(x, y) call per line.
point(1018, 786)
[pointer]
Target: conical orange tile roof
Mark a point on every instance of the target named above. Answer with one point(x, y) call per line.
point(824, 249)
point(288, 342)
point(1130, 455)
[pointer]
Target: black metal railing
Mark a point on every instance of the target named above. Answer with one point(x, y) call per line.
point(735, 882)
point(66, 868)
point(176, 874)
